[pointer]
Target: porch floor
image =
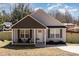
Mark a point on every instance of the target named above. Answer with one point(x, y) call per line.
point(40, 44)
point(22, 43)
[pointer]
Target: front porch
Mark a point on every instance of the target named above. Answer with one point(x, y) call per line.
point(29, 37)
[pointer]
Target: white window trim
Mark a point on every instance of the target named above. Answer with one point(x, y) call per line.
point(24, 33)
point(55, 32)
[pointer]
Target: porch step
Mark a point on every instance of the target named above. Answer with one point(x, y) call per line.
point(39, 45)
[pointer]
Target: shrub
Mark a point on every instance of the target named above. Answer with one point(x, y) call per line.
point(52, 42)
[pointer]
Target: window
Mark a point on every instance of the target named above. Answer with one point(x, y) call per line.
point(24, 33)
point(54, 33)
point(27, 33)
point(21, 33)
point(57, 33)
point(51, 35)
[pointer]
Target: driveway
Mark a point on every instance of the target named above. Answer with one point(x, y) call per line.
point(74, 48)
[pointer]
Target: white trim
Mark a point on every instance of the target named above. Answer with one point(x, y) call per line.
point(26, 17)
point(45, 36)
point(18, 21)
point(54, 30)
point(38, 21)
point(24, 29)
point(24, 32)
point(12, 36)
point(34, 36)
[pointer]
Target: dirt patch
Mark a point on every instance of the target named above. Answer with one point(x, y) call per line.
point(6, 49)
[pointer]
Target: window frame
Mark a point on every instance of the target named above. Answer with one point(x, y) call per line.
point(24, 33)
point(21, 33)
point(57, 33)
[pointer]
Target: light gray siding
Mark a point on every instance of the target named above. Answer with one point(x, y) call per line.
point(64, 34)
point(56, 31)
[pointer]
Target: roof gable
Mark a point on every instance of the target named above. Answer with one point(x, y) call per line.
point(46, 19)
point(28, 22)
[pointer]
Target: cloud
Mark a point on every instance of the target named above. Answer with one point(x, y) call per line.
point(38, 8)
point(54, 6)
point(41, 8)
point(72, 11)
point(49, 4)
point(62, 8)
point(67, 7)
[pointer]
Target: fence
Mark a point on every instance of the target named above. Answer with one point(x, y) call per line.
point(72, 37)
point(5, 35)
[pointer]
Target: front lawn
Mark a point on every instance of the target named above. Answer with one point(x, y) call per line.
point(6, 49)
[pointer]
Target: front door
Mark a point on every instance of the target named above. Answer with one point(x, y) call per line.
point(40, 36)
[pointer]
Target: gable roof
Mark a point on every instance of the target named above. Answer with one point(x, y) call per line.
point(28, 22)
point(45, 18)
point(38, 19)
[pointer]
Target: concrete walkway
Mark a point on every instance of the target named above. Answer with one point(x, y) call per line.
point(71, 48)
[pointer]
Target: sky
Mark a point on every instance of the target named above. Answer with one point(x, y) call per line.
point(73, 8)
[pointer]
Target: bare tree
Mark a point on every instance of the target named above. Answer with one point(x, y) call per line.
point(20, 11)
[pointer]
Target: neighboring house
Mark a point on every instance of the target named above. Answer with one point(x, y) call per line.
point(6, 25)
point(70, 26)
point(74, 29)
point(38, 28)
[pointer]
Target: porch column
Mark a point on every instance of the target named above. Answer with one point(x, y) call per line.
point(34, 36)
point(12, 36)
point(45, 36)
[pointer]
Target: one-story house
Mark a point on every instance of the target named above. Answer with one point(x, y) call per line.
point(38, 28)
